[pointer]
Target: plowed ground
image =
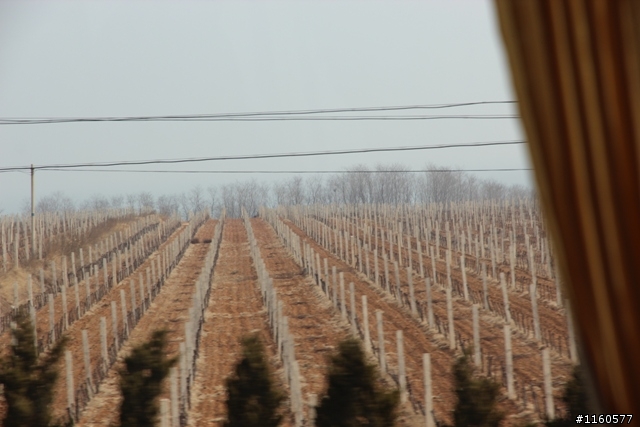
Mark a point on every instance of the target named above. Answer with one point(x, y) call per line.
point(169, 311)
point(235, 310)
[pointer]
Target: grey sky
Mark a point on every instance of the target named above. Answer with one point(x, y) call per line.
point(143, 58)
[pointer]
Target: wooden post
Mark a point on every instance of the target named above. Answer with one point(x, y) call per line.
point(132, 291)
point(430, 319)
point(386, 272)
point(87, 297)
point(30, 289)
point(534, 310)
point(42, 290)
point(573, 353)
point(476, 336)
point(512, 262)
point(52, 323)
point(76, 292)
point(485, 299)
point(334, 290)
point(548, 387)
point(103, 342)
point(402, 378)
point(352, 303)
point(428, 394)
point(71, 391)
point(123, 305)
point(343, 307)
point(397, 274)
point(375, 266)
point(65, 312)
point(326, 276)
point(505, 298)
point(87, 362)
point(509, 361)
point(313, 402)
point(175, 399)
point(558, 287)
point(412, 296)
point(465, 288)
point(365, 323)
point(381, 353)
point(114, 324)
point(433, 265)
point(448, 261)
point(142, 296)
point(452, 333)
point(16, 299)
point(184, 372)
point(165, 413)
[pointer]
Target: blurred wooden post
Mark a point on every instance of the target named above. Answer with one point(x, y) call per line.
point(365, 324)
point(382, 356)
point(509, 362)
point(476, 336)
point(548, 387)
point(52, 323)
point(402, 378)
point(103, 342)
point(412, 297)
point(352, 303)
point(465, 288)
point(343, 306)
point(505, 298)
point(485, 299)
point(114, 324)
point(428, 395)
point(534, 310)
point(71, 391)
point(452, 334)
point(430, 318)
point(87, 362)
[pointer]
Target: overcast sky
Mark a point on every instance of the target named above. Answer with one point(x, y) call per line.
point(127, 58)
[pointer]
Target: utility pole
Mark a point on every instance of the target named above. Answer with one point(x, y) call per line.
point(33, 215)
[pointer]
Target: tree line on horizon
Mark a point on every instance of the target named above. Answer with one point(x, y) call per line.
point(391, 183)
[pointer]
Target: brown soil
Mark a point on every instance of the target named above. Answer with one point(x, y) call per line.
point(168, 311)
point(235, 310)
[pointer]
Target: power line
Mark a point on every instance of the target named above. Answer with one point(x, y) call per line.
point(266, 156)
point(290, 171)
point(261, 119)
point(274, 115)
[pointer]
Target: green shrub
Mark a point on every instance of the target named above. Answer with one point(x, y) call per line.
point(28, 380)
point(252, 398)
point(352, 397)
point(575, 399)
point(477, 397)
point(141, 381)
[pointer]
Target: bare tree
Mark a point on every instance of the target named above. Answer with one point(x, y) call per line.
point(295, 191)
point(212, 192)
point(167, 205)
point(185, 205)
point(56, 202)
point(132, 199)
point(145, 202)
point(316, 190)
point(196, 198)
point(117, 202)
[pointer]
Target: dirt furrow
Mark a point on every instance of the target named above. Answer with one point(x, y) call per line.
point(314, 324)
point(235, 310)
point(169, 311)
point(93, 282)
point(416, 342)
point(526, 353)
